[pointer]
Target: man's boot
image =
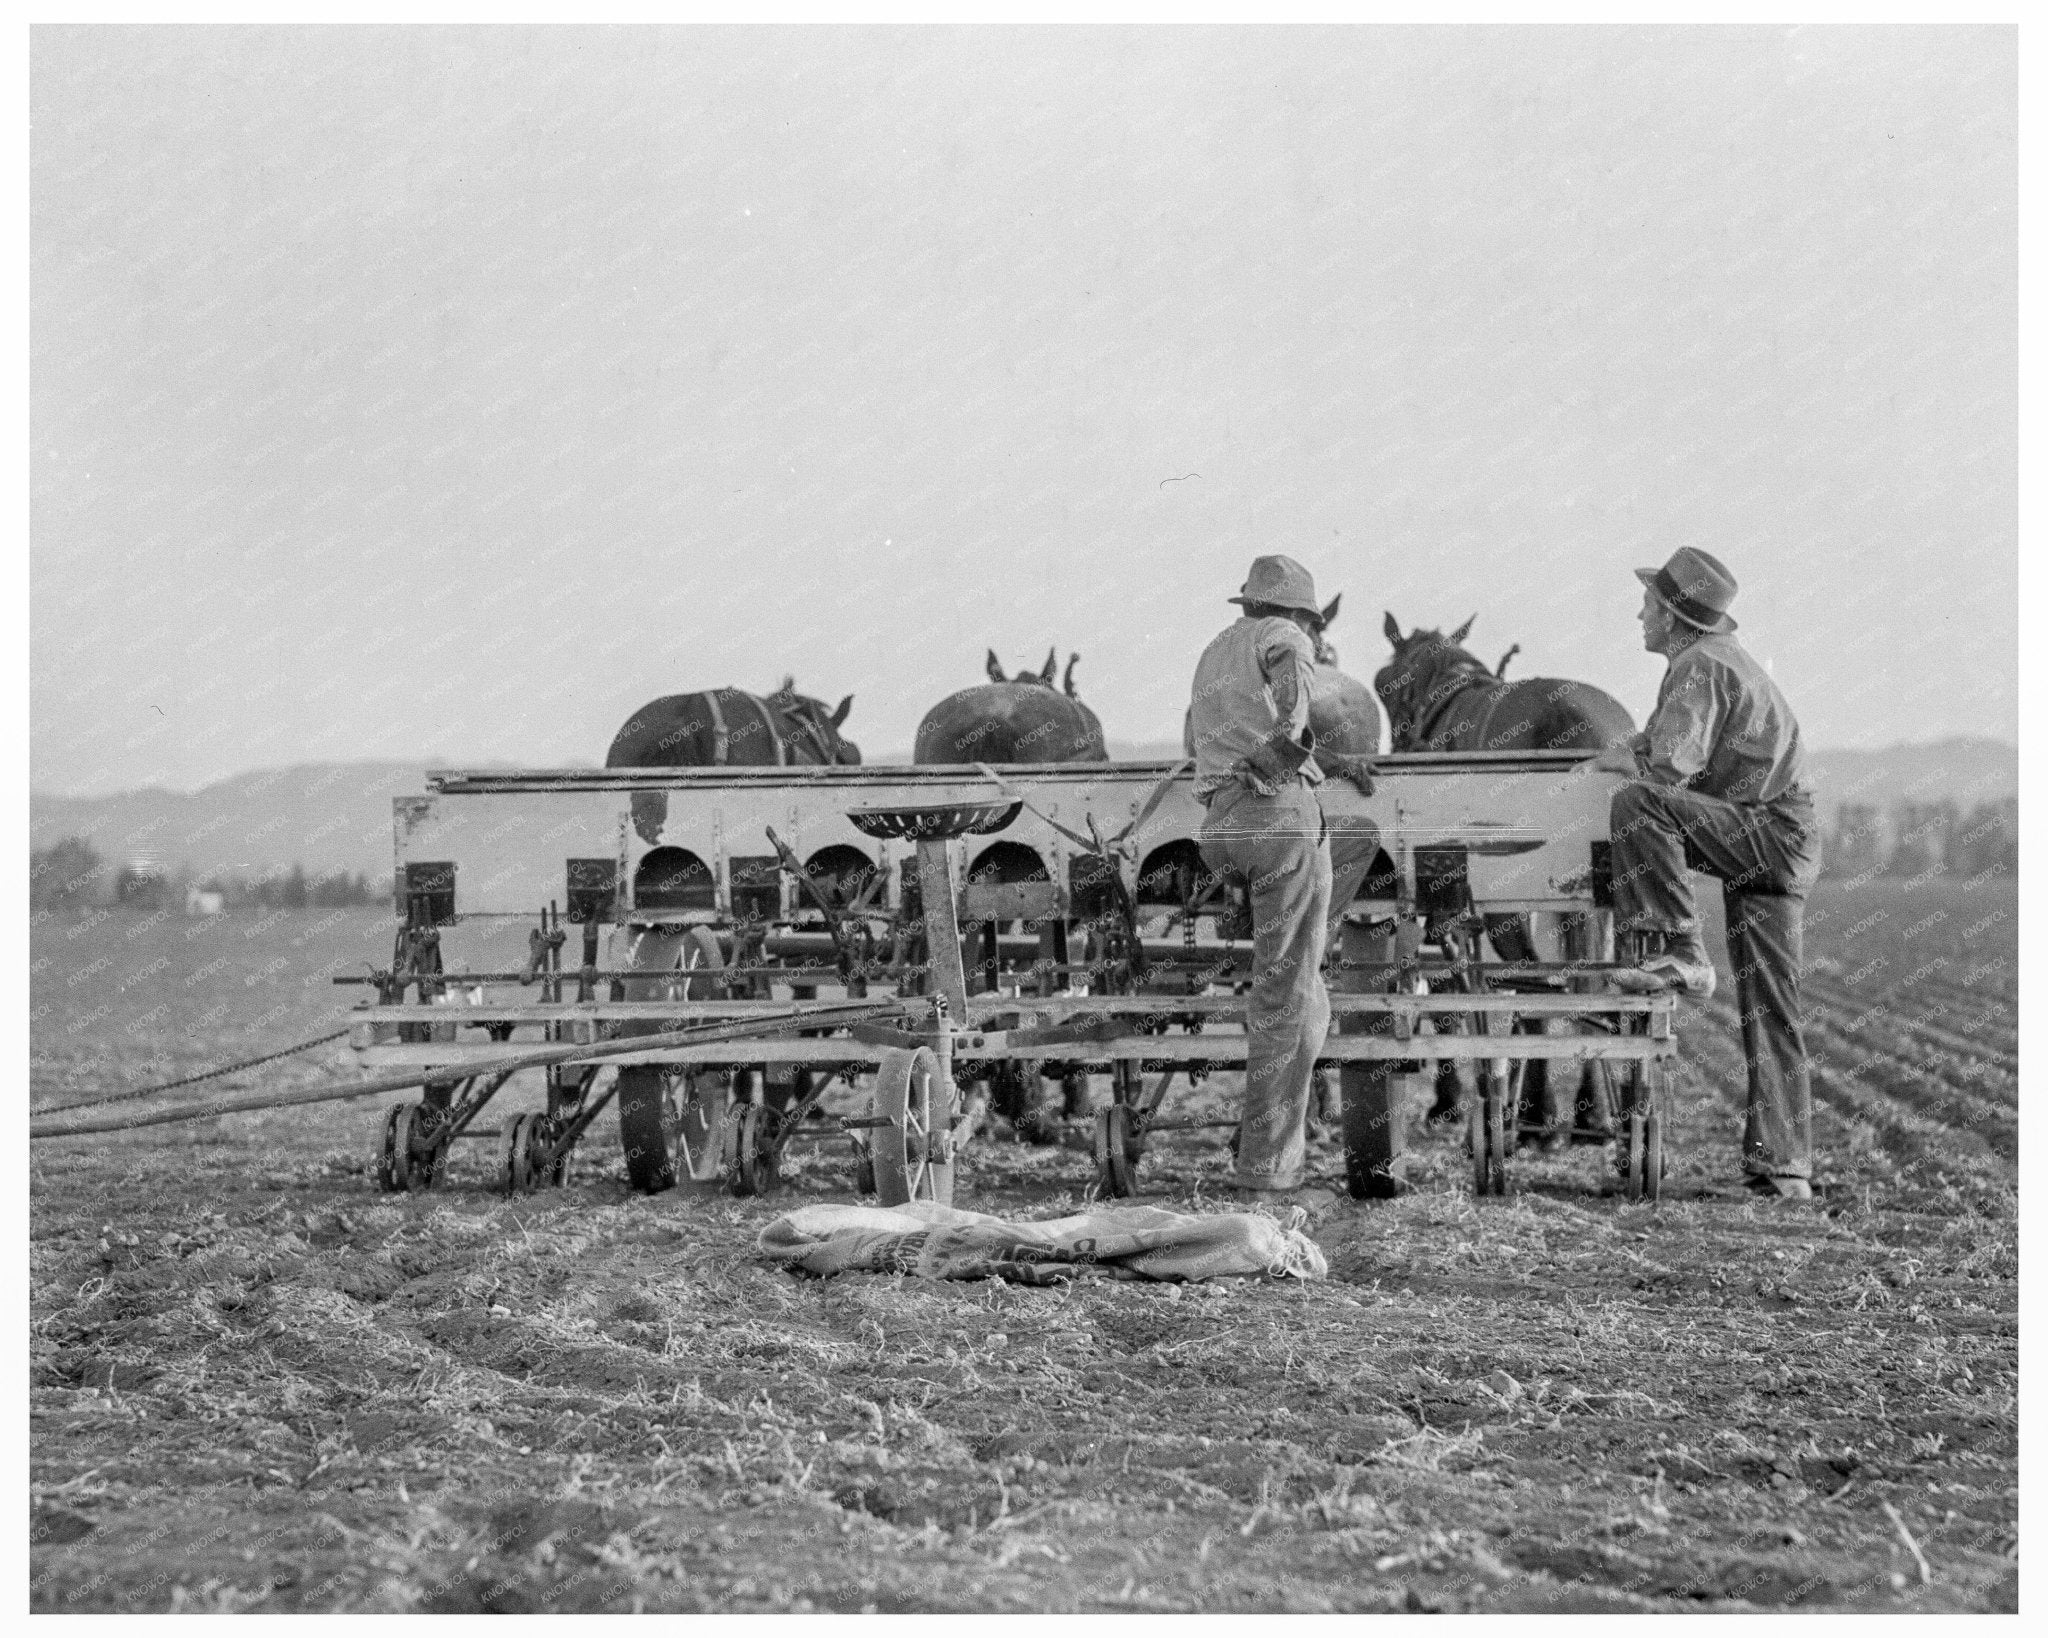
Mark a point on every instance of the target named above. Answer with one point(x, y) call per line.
point(1682, 965)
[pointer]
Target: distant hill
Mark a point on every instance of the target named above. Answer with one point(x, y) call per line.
point(1965, 770)
point(326, 816)
point(332, 816)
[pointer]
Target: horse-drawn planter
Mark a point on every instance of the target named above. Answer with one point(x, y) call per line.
point(989, 931)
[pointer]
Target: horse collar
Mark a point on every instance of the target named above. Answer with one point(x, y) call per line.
point(796, 719)
point(1470, 676)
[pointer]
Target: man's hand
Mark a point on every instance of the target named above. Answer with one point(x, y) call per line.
point(1616, 759)
point(1356, 771)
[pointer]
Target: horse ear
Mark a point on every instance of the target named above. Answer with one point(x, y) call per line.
point(1393, 630)
point(1463, 631)
point(1068, 681)
point(845, 706)
point(788, 685)
point(1330, 608)
point(995, 668)
point(1052, 666)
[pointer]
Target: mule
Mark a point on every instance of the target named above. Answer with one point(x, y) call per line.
point(1024, 718)
point(1440, 697)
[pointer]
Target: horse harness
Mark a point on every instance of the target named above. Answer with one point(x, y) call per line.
point(1466, 681)
point(721, 736)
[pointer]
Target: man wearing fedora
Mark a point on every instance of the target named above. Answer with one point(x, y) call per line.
point(1256, 771)
point(1719, 784)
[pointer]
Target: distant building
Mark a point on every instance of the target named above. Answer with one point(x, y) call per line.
point(140, 883)
point(1862, 840)
point(1987, 839)
point(1923, 840)
point(200, 902)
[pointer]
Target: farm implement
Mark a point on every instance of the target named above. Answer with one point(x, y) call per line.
point(995, 937)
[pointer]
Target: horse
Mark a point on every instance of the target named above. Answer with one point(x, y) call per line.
point(1025, 718)
point(1345, 714)
point(713, 728)
point(1439, 697)
point(721, 727)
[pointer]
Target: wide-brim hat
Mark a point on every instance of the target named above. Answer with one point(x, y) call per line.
point(1696, 586)
point(1281, 582)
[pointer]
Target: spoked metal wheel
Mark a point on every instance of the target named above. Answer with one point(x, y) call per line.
point(1638, 1127)
point(524, 1145)
point(1117, 1153)
point(1497, 1130)
point(913, 1153)
point(1646, 1131)
point(656, 1131)
point(1653, 1144)
point(1487, 1126)
point(1511, 1105)
point(394, 1160)
point(409, 1160)
point(753, 1163)
point(648, 1124)
point(701, 1108)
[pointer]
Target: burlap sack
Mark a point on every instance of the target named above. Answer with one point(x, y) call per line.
point(942, 1243)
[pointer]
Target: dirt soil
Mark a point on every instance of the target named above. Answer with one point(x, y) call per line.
point(260, 1384)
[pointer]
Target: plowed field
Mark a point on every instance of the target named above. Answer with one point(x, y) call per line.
point(259, 1384)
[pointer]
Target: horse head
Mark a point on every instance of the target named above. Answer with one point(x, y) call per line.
point(1325, 654)
point(809, 719)
point(1428, 667)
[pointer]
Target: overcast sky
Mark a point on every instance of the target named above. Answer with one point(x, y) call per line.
point(449, 393)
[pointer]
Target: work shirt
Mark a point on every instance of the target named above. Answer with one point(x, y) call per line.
point(1721, 728)
point(1255, 676)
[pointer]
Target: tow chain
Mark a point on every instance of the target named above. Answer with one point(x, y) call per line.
point(193, 1080)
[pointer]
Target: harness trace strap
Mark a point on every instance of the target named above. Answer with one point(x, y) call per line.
point(1459, 683)
point(721, 736)
point(774, 732)
point(721, 741)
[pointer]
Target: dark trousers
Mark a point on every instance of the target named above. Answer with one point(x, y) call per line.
point(1766, 855)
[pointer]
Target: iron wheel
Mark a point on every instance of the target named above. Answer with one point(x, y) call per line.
point(913, 1154)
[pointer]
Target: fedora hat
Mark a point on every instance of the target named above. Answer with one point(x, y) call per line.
point(1281, 582)
point(1696, 586)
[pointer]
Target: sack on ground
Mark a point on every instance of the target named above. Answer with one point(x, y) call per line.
point(941, 1243)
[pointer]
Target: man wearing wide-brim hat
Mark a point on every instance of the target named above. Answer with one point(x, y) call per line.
point(1256, 771)
point(1719, 785)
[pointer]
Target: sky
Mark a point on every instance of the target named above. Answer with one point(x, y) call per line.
point(448, 393)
